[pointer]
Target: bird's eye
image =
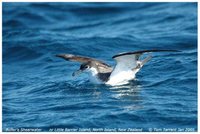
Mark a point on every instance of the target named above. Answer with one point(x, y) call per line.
point(87, 66)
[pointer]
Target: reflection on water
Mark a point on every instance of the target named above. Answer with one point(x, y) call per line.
point(130, 94)
point(129, 90)
point(126, 97)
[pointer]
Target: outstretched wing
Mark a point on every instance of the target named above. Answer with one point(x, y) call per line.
point(143, 51)
point(103, 67)
point(76, 58)
point(130, 60)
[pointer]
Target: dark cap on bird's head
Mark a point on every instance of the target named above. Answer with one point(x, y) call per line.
point(83, 67)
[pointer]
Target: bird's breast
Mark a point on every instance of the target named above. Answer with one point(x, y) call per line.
point(121, 77)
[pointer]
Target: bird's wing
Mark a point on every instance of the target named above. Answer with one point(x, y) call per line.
point(129, 60)
point(82, 59)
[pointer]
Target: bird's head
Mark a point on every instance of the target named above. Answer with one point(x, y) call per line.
point(86, 67)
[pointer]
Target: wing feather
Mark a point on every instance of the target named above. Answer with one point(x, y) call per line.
point(103, 67)
point(128, 63)
point(144, 51)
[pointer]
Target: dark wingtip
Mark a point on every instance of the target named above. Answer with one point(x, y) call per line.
point(170, 50)
point(143, 51)
point(177, 50)
point(65, 56)
point(61, 56)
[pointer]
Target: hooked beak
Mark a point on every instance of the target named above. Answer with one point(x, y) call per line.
point(76, 73)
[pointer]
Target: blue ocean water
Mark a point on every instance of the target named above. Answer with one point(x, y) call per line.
point(39, 91)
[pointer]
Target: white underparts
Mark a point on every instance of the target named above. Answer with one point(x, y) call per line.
point(119, 78)
point(124, 71)
point(93, 75)
point(122, 77)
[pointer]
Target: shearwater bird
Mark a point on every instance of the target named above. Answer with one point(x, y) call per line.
point(128, 64)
